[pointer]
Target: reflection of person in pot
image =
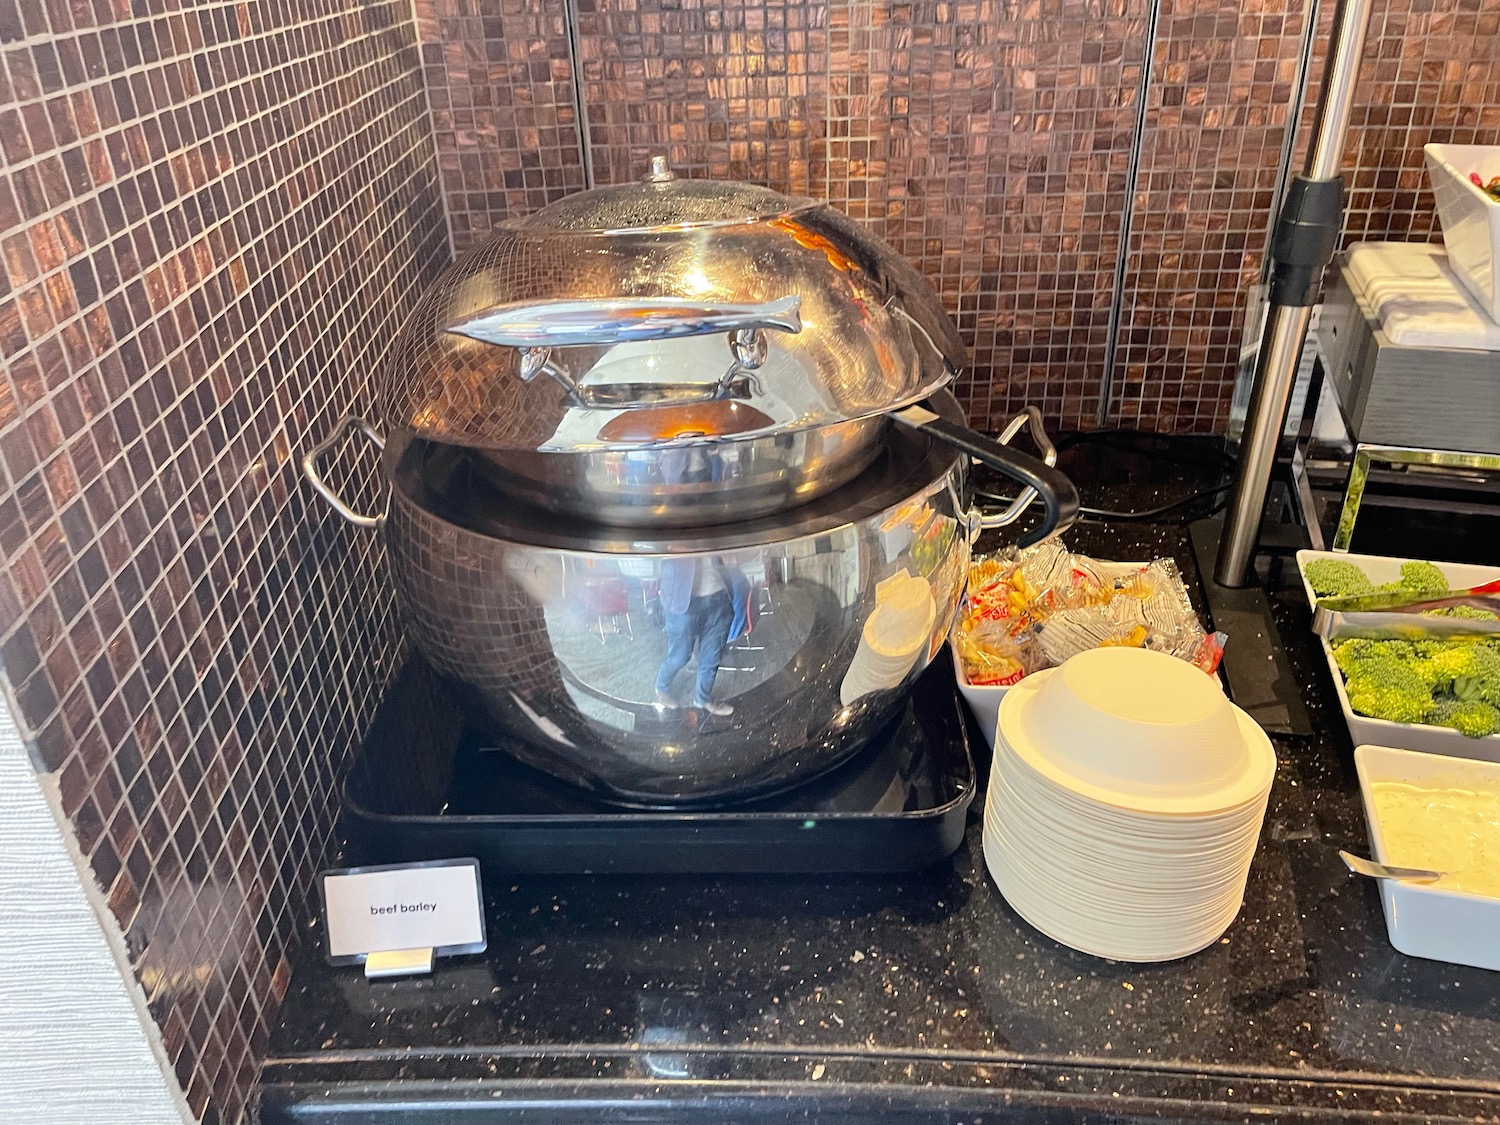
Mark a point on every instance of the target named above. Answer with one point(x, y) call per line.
point(698, 607)
point(690, 464)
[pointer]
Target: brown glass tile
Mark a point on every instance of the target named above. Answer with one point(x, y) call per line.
point(500, 82)
point(188, 280)
point(188, 285)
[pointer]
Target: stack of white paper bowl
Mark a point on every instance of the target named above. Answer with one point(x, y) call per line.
point(1125, 802)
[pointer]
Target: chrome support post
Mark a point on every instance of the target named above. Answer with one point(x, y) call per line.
point(1306, 235)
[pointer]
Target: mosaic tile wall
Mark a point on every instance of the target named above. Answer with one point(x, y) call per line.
point(499, 75)
point(1224, 76)
point(991, 140)
point(212, 216)
point(731, 90)
point(1431, 73)
point(990, 143)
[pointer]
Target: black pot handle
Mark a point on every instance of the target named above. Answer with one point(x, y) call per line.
point(1059, 496)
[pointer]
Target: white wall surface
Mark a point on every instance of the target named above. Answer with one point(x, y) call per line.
point(74, 1048)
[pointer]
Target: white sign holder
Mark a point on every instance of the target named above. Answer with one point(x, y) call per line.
point(394, 919)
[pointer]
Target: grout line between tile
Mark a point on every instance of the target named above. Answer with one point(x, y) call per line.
point(1122, 258)
point(580, 91)
point(437, 166)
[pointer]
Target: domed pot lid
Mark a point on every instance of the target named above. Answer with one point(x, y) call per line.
point(572, 328)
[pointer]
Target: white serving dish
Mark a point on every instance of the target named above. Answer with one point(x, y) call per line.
point(1381, 732)
point(983, 699)
point(1470, 218)
point(1424, 920)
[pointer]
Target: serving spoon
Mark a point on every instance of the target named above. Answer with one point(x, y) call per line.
point(1361, 866)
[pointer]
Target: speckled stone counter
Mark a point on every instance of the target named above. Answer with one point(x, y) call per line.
point(915, 998)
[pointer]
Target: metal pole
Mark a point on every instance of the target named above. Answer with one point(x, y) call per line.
point(1307, 232)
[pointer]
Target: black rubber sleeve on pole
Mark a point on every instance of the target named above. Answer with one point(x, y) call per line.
point(1306, 236)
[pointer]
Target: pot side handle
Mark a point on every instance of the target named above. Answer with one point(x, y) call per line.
point(314, 473)
point(1058, 495)
point(1029, 418)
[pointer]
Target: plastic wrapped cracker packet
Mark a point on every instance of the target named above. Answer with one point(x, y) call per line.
point(1044, 574)
point(1071, 631)
point(1159, 582)
point(1030, 609)
point(994, 656)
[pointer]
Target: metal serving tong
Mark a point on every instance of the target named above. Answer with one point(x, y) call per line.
point(1403, 615)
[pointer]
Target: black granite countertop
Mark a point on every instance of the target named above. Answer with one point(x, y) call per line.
point(917, 997)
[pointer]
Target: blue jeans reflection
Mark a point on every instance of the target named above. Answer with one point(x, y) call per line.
point(703, 624)
point(697, 603)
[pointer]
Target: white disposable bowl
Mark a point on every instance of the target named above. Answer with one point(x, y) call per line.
point(1424, 920)
point(1470, 218)
point(1141, 881)
point(1118, 867)
point(1137, 722)
point(1139, 730)
point(1103, 933)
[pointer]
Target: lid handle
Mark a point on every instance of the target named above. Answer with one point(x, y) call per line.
point(661, 171)
point(535, 328)
point(738, 382)
point(621, 320)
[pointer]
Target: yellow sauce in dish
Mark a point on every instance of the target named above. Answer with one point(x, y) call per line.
point(1453, 830)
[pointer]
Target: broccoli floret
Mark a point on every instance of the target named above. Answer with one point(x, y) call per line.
point(1336, 578)
point(1383, 681)
point(1349, 654)
point(1360, 654)
point(1439, 663)
point(1470, 718)
point(1470, 612)
point(1390, 671)
point(1396, 703)
point(1482, 683)
point(1423, 578)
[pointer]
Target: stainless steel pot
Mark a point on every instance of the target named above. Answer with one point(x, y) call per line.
point(563, 627)
point(674, 353)
point(694, 484)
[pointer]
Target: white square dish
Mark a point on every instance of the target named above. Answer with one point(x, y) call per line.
point(1381, 732)
point(1469, 217)
point(983, 699)
point(1424, 920)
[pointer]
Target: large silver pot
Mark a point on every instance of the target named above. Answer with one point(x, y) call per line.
point(559, 625)
point(672, 353)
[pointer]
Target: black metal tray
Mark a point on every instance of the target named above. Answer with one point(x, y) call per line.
point(427, 785)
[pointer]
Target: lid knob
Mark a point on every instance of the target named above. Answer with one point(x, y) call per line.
point(661, 171)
